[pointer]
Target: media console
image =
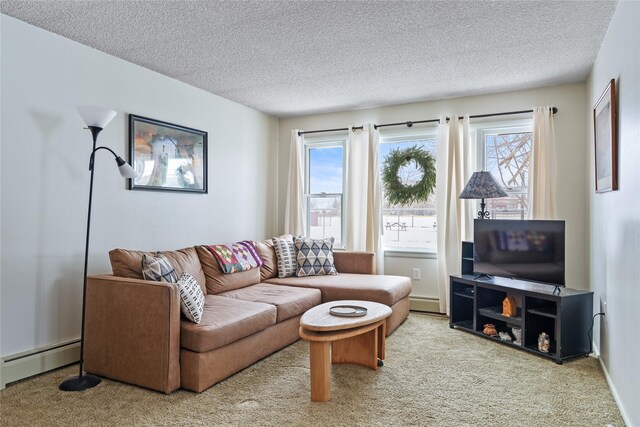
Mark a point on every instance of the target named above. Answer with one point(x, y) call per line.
point(563, 313)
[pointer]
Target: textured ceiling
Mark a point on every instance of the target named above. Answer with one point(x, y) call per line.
point(289, 58)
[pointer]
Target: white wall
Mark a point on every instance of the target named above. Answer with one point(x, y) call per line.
point(615, 216)
point(570, 126)
point(44, 177)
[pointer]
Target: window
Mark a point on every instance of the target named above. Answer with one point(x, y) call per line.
point(324, 189)
point(409, 227)
point(505, 153)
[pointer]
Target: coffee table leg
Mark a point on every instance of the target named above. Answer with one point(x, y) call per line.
point(320, 371)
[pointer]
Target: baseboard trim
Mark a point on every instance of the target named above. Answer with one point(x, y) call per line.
point(430, 305)
point(614, 393)
point(24, 365)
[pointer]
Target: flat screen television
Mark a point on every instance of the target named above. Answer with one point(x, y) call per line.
point(526, 249)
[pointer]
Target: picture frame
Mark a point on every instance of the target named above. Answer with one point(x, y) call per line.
point(604, 137)
point(166, 156)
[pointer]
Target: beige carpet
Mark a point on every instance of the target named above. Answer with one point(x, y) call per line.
point(433, 376)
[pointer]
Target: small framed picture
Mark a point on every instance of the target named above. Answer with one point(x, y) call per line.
point(167, 157)
point(604, 127)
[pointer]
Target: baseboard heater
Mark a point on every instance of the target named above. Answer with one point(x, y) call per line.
point(429, 305)
point(27, 364)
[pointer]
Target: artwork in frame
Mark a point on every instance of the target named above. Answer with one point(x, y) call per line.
point(167, 157)
point(604, 127)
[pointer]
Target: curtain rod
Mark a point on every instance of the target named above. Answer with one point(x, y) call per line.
point(353, 129)
point(554, 110)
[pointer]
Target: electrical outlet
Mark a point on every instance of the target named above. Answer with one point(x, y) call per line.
point(416, 274)
point(603, 306)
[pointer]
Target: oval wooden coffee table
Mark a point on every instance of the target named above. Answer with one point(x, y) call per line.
point(355, 340)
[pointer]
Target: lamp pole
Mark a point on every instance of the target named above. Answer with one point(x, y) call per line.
point(83, 382)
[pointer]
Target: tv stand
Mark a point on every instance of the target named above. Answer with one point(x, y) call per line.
point(565, 316)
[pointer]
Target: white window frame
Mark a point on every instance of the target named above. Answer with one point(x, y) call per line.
point(495, 128)
point(403, 135)
point(325, 142)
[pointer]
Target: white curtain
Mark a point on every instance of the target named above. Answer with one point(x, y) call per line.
point(363, 215)
point(453, 169)
point(294, 214)
point(543, 168)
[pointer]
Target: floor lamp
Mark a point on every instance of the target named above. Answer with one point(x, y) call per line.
point(482, 186)
point(96, 118)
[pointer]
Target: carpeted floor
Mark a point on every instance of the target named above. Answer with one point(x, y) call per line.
point(433, 376)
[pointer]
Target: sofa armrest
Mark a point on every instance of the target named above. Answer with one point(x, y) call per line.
point(132, 331)
point(354, 262)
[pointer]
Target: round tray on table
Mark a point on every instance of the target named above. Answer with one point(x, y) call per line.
point(348, 310)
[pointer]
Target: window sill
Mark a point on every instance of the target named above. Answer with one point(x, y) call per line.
point(410, 253)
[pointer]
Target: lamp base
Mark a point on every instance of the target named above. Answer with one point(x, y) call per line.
point(79, 383)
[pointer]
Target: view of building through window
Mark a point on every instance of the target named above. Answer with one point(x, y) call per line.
point(413, 226)
point(507, 158)
point(325, 167)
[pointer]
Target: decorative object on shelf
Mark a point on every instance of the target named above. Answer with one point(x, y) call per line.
point(604, 138)
point(509, 307)
point(504, 336)
point(543, 342)
point(482, 186)
point(489, 329)
point(96, 119)
point(348, 310)
point(517, 334)
point(167, 157)
point(409, 162)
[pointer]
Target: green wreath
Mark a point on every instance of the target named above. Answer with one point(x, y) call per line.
point(398, 193)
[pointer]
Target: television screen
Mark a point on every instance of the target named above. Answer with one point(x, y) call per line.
point(527, 249)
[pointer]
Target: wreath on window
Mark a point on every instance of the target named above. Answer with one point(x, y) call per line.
point(400, 193)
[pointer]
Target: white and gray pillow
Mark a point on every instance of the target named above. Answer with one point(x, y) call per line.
point(314, 257)
point(157, 267)
point(191, 298)
point(286, 255)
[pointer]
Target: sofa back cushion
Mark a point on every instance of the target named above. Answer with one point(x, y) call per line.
point(216, 281)
point(267, 252)
point(127, 263)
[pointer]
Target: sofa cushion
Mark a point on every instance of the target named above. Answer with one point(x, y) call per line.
point(290, 301)
point(383, 289)
point(217, 281)
point(225, 320)
point(268, 254)
point(127, 263)
point(314, 257)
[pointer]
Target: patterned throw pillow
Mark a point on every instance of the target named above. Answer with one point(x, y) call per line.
point(314, 257)
point(286, 255)
point(158, 268)
point(239, 256)
point(191, 298)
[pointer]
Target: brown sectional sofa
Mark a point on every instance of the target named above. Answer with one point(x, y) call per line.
point(134, 331)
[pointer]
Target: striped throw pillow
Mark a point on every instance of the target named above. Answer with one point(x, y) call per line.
point(286, 255)
point(191, 298)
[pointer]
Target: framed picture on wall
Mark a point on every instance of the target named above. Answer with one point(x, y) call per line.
point(167, 157)
point(604, 127)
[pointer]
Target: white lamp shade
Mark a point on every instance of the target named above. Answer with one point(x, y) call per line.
point(96, 116)
point(126, 171)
